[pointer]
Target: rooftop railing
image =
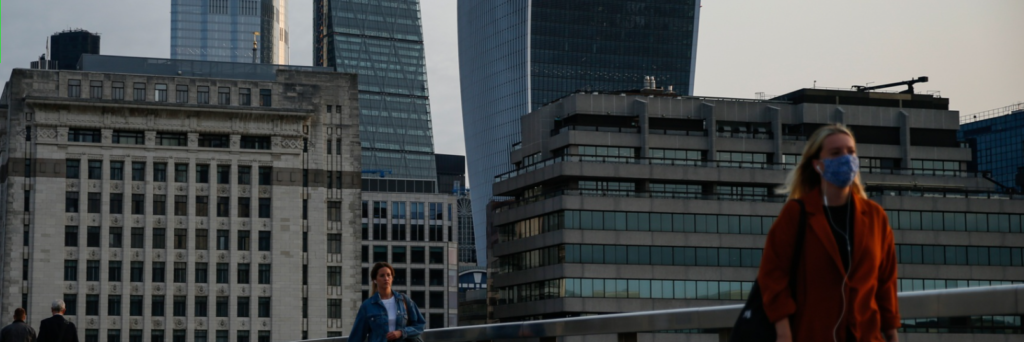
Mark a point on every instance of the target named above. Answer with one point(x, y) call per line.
point(977, 301)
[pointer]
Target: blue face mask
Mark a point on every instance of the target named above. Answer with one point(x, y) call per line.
point(841, 170)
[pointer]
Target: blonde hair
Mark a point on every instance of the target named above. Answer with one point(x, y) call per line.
point(373, 275)
point(803, 179)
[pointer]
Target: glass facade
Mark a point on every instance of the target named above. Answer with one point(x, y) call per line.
point(224, 30)
point(515, 56)
point(997, 145)
point(382, 42)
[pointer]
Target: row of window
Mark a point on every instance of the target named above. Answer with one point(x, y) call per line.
point(243, 174)
point(138, 205)
point(417, 254)
point(180, 239)
point(416, 210)
point(398, 230)
point(631, 221)
point(168, 139)
point(954, 221)
point(160, 93)
point(959, 255)
point(964, 325)
point(179, 307)
point(402, 276)
point(631, 255)
point(135, 335)
point(179, 275)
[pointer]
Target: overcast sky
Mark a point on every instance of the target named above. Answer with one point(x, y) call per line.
point(973, 51)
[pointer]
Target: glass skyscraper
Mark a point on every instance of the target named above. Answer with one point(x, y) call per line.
point(382, 41)
point(997, 144)
point(224, 30)
point(516, 56)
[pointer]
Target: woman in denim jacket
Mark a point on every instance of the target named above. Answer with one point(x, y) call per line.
point(386, 315)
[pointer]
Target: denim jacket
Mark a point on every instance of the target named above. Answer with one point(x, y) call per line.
point(372, 320)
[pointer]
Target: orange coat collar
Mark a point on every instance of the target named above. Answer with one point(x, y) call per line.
point(818, 223)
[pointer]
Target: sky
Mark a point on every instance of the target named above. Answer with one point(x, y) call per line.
point(973, 51)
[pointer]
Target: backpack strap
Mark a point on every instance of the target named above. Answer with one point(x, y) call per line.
point(799, 248)
point(407, 315)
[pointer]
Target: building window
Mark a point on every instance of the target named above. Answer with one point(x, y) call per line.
point(244, 97)
point(135, 335)
point(243, 274)
point(334, 211)
point(178, 336)
point(222, 273)
point(244, 207)
point(116, 170)
point(180, 205)
point(117, 90)
point(202, 236)
point(223, 96)
point(255, 143)
point(201, 306)
point(159, 272)
point(71, 168)
point(159, 172)
point(158, 306)
point(243, 240)
point(92, 270)
point(70, 270)
point(202, 174)
point(92, 236)
point(264, 209)
point(171, 139)
point(156, 336)
point(203, 95)
point(334, 308)
point(180, 307)
point(333, 275)
point(181, 173)
point(223, 206)
point(84, 135)
point(222, 239)
point(128, 138)
point(114, 271)
point(114, 306)
point(139, 92)
point(135, 273)
point(200, 336)
point(244, 175)
point(264, 175)
point(159, 237)
point(201, 272)
point(265, 98)
point(243, 306)
point(71, 202)
point(160, 92)
point(159, 204)
point(222, 306)
point(182, 93)
point(95, 169)
point(96, 89)
point(70, 236)
point(264, 243)
point(418, 256)
point(202, 206)
point(138, 171)
point(214, 140)
point(116, 236)
point(243, 336)
point(137, 237)
point(223, 174)
point(263, 307)
point(74, 88)
point(180, 273)
point(264, 274)
point(397, 254)
point(180, 238)
point(92, 305)
point(334, 243)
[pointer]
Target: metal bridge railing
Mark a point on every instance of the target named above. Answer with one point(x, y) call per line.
point(977, 301)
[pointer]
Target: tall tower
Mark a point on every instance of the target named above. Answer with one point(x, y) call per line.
point(384, 45)
point(515, 56)
point(223, 30)
point(68, 46)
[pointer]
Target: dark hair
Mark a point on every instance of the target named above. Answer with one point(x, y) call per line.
point(19, 313)
point(373, 274)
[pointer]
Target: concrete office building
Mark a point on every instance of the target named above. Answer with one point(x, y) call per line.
point(645, 200)
point(996, 138)
point(226, 30)
point(165, 206)
point(515, 56)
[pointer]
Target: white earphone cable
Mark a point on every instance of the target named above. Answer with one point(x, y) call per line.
point(849, 262)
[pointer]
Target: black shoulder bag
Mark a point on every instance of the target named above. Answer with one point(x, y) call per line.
point(753, 323)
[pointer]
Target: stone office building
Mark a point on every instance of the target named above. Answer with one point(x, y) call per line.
point(646, 200)
point(168, 200)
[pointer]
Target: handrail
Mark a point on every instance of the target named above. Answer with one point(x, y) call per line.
point(977, 301)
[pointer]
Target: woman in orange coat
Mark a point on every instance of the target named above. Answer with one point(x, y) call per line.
point(846, 278)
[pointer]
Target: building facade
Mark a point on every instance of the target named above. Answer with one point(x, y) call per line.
point(382, 42)
point(416, 234)
point(997, 139)
point(67, 47)
point(515, 56)
point(162, 206)
point(640, 201)
point(240, 31)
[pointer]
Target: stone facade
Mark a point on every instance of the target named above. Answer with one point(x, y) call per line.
point(271, 171)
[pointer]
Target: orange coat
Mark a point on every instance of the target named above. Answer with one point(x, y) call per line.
point(871, 305)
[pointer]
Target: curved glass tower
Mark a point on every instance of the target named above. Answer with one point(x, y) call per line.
point(515, 56)
point(223, 30)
